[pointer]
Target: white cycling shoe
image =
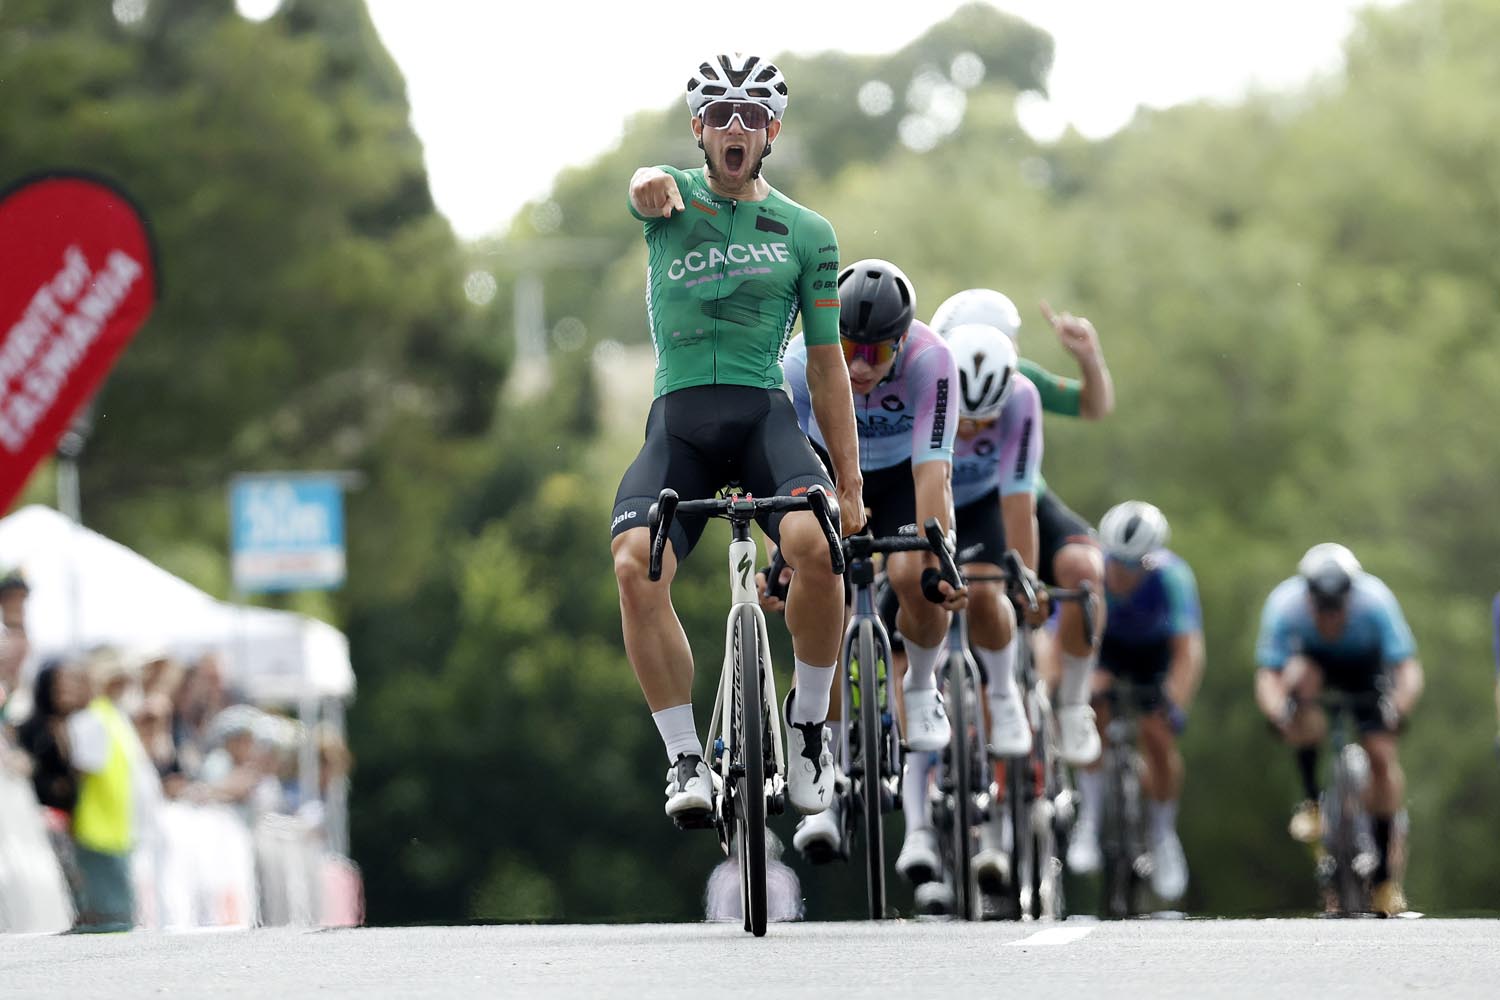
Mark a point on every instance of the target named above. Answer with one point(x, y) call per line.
point(1010, 732)
point(1169, 874)
point(918, 861)
point(810, 775)
point(1083, 849)
point(926, 720)
point(690, 791)
point(991, 864)
point(1077, 736)
point(819, 837)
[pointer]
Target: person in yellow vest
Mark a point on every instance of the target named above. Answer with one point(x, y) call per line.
point(115, 803)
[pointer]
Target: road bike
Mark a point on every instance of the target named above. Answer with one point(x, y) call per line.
point(748, 754)
point(1040, 802)
point(1347, 855)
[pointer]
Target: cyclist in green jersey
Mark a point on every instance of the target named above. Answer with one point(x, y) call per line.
point(1069, 553)
point(731, 265)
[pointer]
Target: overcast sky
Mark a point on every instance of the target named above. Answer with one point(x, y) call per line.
point(503, 103)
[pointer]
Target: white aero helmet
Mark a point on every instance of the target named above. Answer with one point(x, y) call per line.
point(986, 361)
point(1131, 530)
point(1329, 569)
point(978, 305)
point(737, 77)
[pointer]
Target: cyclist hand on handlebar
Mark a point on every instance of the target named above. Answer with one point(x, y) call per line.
point(769, 602)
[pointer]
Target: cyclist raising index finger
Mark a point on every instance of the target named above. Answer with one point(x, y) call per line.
point(732, 263)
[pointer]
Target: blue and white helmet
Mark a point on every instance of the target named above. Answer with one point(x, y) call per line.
point(737, 77)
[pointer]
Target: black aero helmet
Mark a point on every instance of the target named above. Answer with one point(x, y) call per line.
point(876, 301)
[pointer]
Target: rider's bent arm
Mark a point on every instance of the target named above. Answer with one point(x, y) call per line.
point(1097, 400)
point(934, 486)
point(1091, 397)
point(1409, 680)
point(1018, 514)
point(832, 404)
point(1270, 693)
point(1185, 672)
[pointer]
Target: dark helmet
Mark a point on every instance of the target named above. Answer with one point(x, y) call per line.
point(876, 301)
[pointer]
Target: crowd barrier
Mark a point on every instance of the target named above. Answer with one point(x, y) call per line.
point(197, 866)
point(33, 894)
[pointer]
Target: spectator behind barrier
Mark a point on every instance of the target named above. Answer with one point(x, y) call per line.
point(200, 697)
point(13, 642)
point(153, 724)
point(119, 796)
point(60, 689)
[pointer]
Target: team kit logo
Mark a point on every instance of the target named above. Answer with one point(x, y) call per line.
point(714, 259)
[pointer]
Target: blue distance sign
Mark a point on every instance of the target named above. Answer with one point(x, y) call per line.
point(287, 532)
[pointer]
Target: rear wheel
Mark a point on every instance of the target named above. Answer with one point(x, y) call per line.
point(960, 751)
point(750, 786)
point(870, 780)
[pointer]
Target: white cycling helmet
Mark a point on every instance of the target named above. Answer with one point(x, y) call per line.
point(1329, 570)
point(737, 77)
point(986, 361)
point(1130, 530)
point(978, 305)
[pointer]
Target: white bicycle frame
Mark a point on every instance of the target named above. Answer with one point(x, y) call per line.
point(742, 555)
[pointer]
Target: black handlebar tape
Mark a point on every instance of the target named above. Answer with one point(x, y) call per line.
point(1088, 613)
point(660, 520)
point(930, 580)
point(817, 499)
point(939, 543)
point(773, 577)
point(1017, 570)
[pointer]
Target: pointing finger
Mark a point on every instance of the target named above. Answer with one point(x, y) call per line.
point(1047, 313)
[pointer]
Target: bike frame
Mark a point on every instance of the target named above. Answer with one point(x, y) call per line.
point(742, 556)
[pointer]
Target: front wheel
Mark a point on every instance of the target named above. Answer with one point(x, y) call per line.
point(750, 784)
point(870, 783)
point(961, 716)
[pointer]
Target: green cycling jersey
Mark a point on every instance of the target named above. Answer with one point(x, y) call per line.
point(726, 281)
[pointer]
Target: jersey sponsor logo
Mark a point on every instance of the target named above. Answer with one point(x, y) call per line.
point(736, 253)
point(1025, 451)
point(744, 568)
point(766, 225)
point(826, 303)
point(878, 425)
point(893, 403)
point(702, 207)
point(829, 265)
point(830, 248)
point(627, 516)
point(984, 447)
point(940, 414)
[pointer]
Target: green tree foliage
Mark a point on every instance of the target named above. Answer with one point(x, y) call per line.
point(1295, 294)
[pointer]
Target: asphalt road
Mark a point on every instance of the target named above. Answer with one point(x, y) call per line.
point(1152, 958)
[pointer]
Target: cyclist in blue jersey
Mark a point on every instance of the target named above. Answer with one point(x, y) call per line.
point(1154, 640)
point(903, 378)
point(1334, 624)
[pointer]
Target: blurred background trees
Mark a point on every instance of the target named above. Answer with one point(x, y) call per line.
point(1296, 295)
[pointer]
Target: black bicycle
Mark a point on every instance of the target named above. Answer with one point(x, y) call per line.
point(1123, 845)
point(748, 755)
point(1040, 802)
point(870, 754)
point(1347, 856)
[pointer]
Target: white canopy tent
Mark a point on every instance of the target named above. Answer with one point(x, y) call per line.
point(87, 590)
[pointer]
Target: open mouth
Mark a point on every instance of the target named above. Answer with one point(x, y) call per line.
point(734, 158)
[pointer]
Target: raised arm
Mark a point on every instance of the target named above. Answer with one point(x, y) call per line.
point(1078, 337)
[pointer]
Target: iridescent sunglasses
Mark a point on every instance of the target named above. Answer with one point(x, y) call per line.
point(752, 116)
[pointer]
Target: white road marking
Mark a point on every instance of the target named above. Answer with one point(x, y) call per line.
point(1052, 935)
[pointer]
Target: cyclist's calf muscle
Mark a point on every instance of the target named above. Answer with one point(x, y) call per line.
point(655, 642)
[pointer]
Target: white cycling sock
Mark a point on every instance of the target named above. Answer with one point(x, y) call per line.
point(1077, 673)
point(838, 731)
point(1163, 817)
point(678, 731)
point(918, 770)
point(1000, 665)
point(810, 702)
point(921, 662)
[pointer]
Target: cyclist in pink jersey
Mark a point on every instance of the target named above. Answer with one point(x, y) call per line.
point(904, 384)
